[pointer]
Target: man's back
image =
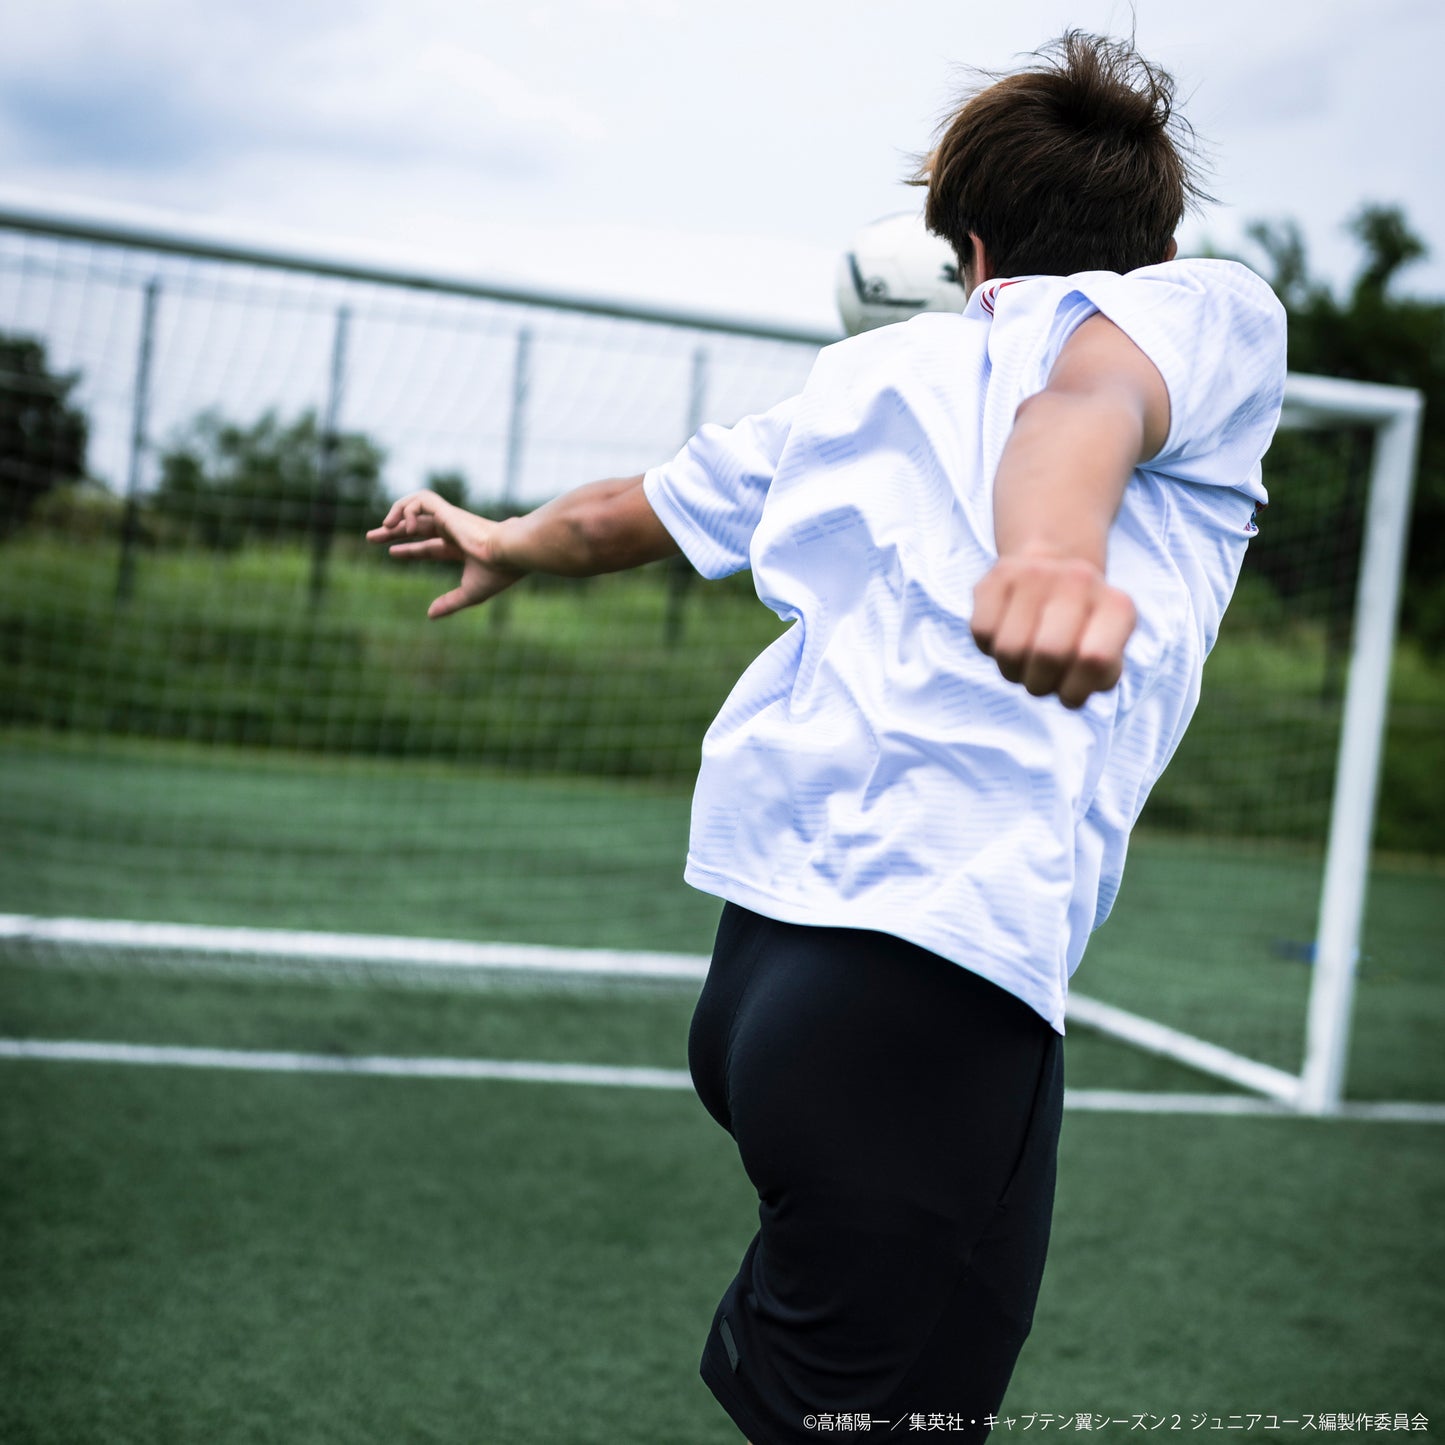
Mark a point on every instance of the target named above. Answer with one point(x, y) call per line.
point(873, 769)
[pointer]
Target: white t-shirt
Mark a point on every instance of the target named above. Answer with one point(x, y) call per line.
point(873, 769)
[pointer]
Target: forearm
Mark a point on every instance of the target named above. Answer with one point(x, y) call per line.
point(1046, 614)
point(601, 527)
point(1063, 473)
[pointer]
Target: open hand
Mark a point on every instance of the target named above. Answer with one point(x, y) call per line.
point(426, 527)
point(1053, 624)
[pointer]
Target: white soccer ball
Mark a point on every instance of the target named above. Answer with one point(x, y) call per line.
point(895, 269)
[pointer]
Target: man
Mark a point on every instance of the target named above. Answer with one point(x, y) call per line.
point(1005, 540)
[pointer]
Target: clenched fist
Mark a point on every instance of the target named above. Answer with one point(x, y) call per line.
point(1053, 624)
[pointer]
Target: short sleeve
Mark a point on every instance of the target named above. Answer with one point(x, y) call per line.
point(711, 494)
point(1216, 332)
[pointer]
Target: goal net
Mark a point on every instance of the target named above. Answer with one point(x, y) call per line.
point(1236, 936)
point(219, 712)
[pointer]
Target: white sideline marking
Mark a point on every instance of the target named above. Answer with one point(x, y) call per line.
point(279, 1062)
point(1382, 1111)
point(121, 933)
point(1114, 1101)
point(1281, 1090)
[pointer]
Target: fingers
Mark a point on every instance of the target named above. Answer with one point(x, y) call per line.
point(436, 549)
point(408, 526)
point(436, 531)
point(420, 514)
point(990, 601)
point(478, 583)
point(453, 601)
point(1098, 659)
point(1054, 625)
point(1029, 613)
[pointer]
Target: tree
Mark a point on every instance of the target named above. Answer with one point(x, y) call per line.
point(1371, 334)
point(42, 434)
point(450, 485)
point(228, 484)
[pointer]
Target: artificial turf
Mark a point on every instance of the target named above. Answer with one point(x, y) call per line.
point(1211, 935)
point(233, 1257)
point(194, 1255)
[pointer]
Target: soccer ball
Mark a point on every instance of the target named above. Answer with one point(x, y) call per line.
point(895, 269)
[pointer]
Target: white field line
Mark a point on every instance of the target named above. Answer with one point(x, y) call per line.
point(123, 934)
point(610, 1076)
point(270, 1061)
point(1171, 1043)
point(458, 955)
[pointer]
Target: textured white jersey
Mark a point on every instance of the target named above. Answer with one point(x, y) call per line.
point(872, 769)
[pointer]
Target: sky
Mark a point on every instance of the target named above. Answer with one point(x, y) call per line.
point(693, 153)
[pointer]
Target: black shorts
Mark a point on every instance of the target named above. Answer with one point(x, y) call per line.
point(899, 1117)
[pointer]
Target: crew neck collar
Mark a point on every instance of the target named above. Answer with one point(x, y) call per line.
point(985, 297)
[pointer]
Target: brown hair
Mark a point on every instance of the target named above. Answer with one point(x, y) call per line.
point(1079, 163)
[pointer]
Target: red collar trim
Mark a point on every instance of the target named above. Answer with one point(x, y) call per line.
point(987, 295)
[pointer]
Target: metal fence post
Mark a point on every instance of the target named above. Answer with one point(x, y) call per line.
point(517, 421)
point(500, 607)
point(680, 574)
point(323, 516)
point(130, 519)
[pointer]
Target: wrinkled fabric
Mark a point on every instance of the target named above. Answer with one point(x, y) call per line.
point(872, 769)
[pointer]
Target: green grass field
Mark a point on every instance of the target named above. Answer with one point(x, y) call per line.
point(1207, 935)
point(195, 1255)
point(236, 1257)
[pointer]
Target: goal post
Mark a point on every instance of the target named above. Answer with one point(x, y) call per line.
point(1392, 414)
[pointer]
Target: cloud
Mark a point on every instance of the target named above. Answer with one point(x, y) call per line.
point(84, 84)
point(84, 120)
point(151, 90)
point(1282, 86)
point(392, 95)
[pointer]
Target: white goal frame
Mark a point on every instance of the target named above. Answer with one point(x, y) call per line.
point(1393, 413)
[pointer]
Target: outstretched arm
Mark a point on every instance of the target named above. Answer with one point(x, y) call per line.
point(602, 527)
point(1045, 612)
